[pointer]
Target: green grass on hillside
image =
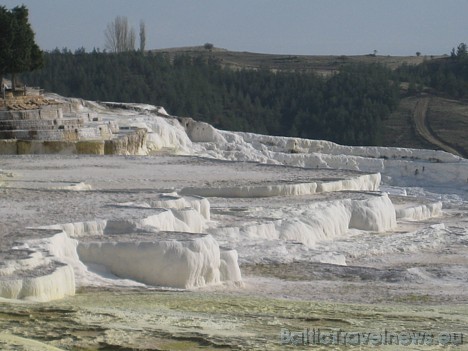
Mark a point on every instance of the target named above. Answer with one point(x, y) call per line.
point(448, 119)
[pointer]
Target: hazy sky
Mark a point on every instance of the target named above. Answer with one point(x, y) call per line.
point(315, 27)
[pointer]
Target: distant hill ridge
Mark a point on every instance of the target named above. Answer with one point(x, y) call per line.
point(322, 64)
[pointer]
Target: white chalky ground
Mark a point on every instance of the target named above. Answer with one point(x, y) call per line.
point(231, 222)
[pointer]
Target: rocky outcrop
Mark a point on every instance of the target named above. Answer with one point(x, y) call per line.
point(133, 143)
point(35, 125)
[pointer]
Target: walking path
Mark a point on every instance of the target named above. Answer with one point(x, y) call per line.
point(420, 120)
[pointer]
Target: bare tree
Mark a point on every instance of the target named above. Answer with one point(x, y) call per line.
point(131, 40)
point(142, 36)
point(119, 35)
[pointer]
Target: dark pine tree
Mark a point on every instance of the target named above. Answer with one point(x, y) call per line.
point(18, 50)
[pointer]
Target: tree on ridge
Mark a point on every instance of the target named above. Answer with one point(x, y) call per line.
point(120, 37)
point(142, 36)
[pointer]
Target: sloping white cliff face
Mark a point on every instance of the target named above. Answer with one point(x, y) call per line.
point(165, 134)
point(56, 284)
point(375, 214)
point(419, 212)
point(33, 272)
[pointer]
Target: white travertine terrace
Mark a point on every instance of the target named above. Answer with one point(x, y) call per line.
point(170, 235)
point(48, 270)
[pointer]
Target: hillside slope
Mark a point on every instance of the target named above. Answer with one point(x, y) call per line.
point(323, 64)
point(429, 122)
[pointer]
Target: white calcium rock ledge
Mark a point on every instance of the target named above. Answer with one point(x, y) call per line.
point(374, 214)
point(164, 134)
point(368, 182)
point(52, 286)
point(179, 264)
point(298, 145)
point(419, 212)
point(174, 201)
point(40, 276)
point(79, 229)
point(185, 219)
point(317, 222)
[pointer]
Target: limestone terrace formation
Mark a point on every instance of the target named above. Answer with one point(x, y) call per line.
point(33, 124)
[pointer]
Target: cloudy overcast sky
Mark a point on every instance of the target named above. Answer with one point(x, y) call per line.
point(312, 27)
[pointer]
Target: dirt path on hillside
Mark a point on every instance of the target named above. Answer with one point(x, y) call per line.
point(420, 120)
